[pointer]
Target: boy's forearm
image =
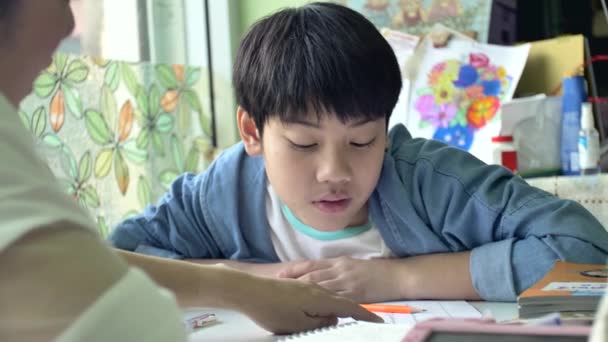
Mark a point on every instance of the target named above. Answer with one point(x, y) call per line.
point(437, 276)
point(192, 284)
point(259, 269)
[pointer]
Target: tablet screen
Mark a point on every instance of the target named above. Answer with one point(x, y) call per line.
point(484, 337)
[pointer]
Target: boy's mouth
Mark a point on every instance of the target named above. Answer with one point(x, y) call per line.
point(332, 206)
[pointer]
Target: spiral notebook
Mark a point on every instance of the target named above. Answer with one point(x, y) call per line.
point(353, 332)
point(395, 328)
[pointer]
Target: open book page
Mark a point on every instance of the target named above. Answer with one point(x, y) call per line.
point(432, 309)
point(353, 332)
point(396, 325)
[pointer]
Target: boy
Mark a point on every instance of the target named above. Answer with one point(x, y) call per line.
point(317, 190)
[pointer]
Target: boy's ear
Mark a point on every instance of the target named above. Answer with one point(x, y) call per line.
point(249, 132)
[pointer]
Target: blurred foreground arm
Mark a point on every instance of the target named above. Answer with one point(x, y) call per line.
point(49, 277)
point(280, 306)
point(53, 277)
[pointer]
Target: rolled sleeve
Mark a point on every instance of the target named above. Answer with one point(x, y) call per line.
point(491, 271)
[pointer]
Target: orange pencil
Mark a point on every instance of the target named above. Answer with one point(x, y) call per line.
point(389, 308)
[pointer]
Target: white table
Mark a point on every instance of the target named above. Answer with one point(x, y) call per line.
point(499, 311)
point(234, 326)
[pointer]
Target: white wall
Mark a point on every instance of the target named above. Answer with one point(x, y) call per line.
point(111, 29)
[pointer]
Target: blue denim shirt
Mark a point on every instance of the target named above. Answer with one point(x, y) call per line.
point(430, 198)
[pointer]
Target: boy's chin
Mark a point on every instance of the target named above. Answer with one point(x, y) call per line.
point(328, 222)
point(330, 229)
point(329, 225)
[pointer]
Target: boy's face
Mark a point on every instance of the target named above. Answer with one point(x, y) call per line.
point(324, 171)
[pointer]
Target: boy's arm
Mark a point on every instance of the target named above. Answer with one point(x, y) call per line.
point(527, 231)
point(437, 276)
point(515, 232)
point(533, 236)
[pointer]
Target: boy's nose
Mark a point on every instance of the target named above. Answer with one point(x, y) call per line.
point(334, 168)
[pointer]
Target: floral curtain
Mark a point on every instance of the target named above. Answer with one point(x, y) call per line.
point(116, 134)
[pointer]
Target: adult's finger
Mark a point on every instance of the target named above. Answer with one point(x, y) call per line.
point(343, 307)
point(306, 322)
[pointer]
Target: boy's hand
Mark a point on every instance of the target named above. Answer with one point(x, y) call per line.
point(364, 281)
point(287, 306)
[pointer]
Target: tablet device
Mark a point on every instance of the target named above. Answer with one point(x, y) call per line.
point(467, 330)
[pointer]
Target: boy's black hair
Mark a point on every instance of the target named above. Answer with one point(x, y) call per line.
point(318, 58)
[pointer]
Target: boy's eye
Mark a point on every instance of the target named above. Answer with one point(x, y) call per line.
point(301, 146)
point(366, 144)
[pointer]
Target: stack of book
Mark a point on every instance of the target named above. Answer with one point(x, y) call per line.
point(569, 288)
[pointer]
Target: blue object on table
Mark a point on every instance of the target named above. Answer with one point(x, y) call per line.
point(574, 95)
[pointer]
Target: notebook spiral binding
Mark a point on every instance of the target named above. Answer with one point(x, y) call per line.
point(312, 332)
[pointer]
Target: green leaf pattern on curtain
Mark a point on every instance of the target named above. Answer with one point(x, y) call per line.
point(130, 130)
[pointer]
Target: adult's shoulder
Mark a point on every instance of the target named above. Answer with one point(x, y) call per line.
point(30, 195)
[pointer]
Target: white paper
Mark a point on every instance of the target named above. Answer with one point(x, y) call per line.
point(396, 325)
point(457, 90)
point(403, 45)
point(354, 332)
point(432, 309)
